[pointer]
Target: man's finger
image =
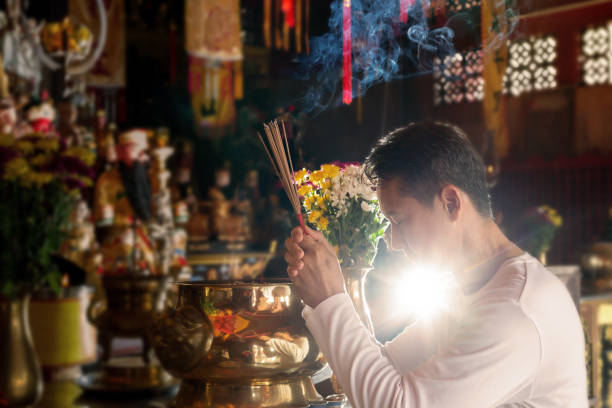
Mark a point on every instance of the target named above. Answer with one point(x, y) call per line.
point(292, 272)
point(297, 234)
point(308, 243)
point(292, 260)
point(294, 249)
point(316, 235)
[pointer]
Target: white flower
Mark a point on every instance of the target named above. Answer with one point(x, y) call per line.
point(366, 207)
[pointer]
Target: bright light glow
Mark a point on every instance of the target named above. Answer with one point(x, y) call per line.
point(424, 292)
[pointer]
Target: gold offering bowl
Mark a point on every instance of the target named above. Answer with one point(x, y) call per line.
point(238, 344)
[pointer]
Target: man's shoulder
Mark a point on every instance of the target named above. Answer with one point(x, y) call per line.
point(520, 276)
point(508, 282)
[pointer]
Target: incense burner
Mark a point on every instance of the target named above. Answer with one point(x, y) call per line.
point(238, 344)
point(128, 308)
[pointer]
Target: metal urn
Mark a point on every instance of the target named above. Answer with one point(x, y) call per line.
point(239, 345)
point(129, 306)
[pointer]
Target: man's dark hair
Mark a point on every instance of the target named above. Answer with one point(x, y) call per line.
point(425, 156)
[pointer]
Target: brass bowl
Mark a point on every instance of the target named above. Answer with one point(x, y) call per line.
point(243, 344)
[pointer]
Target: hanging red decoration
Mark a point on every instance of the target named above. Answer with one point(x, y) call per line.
point(288, 8)
point(404, 7)
point(347, 74)
point(280, 18)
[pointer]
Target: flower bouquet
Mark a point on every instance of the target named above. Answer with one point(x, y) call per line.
point(539, 226)
point(40, 182)
point(341, 203)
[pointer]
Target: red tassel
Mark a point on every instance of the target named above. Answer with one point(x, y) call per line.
point(288, 8)
point(404, 10)
point(405, 6)
point(301, 221)
point(347, 74)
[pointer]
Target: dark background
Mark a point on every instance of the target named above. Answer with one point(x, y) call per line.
point(560, 139)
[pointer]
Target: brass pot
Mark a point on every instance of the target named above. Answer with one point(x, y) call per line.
point(597, 263)
point(21, 382)
point(127, 308)
point(244, 344)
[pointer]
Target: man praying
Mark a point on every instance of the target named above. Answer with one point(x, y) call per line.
point(515, 339)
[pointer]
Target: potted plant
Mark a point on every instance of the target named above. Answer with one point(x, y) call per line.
point(40, 181)
point(538, 228)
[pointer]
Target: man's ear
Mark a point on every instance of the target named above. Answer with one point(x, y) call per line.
point(452, 201)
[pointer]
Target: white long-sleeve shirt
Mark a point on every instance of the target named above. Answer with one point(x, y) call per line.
point(519, 343)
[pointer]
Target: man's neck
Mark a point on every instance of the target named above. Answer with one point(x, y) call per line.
point(484, 255)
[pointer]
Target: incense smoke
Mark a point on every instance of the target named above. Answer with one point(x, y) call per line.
point(383, 48)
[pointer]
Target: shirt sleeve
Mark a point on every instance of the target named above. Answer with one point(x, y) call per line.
point(495, 352)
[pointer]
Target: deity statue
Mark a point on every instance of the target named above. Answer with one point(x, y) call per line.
point(10, 123)
point(81, 247)
point(8, 115)
point(228, 222)
point(122, 208)
point(41, 114)
point(70, 132)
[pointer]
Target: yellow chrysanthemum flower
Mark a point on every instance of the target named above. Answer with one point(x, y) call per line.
point(25, 146)
point(33, 178)
point(322, 224)
point(317, 176)
point(40, 159)
point(47, 144)
point(314, 216)
point(16, 168)
point(330, 170)
point(309, 201)
point(6, 140)
point(304, 190)
point(321, 203)
point(557, 220)
point(82, 153)
point(85, 180)
point(300, 176)
point(325, 184)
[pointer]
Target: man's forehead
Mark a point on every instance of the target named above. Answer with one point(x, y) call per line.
point(393, 197)
point(388, 195)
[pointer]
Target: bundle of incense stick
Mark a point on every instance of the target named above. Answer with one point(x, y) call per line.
point(279, 155)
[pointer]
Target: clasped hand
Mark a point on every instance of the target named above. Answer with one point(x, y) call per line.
point(313, 266)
